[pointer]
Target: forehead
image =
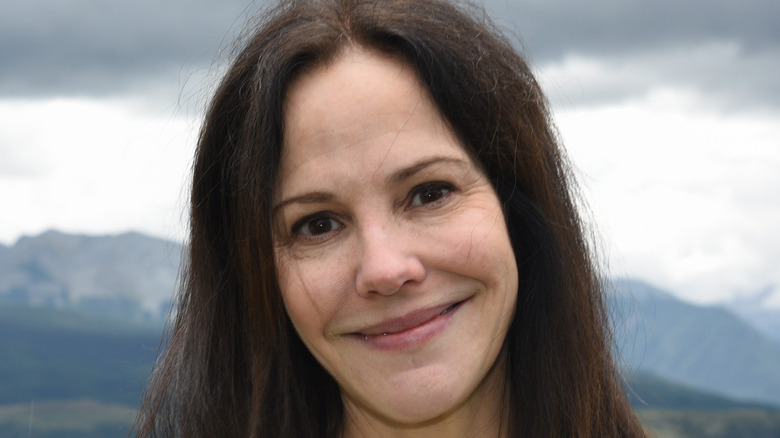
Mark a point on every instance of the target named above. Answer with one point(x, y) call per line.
point(354, 107)
point(361, 89)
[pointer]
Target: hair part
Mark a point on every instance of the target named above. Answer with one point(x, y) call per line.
point(234, 365)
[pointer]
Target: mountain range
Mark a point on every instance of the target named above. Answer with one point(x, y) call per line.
point(132, 277)
point(707, 347)
point(126, 275)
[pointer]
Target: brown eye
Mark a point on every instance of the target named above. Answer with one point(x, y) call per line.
point(316, 225)
point(429, 193)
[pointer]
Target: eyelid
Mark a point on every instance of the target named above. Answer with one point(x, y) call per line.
point(295, 230)
point(416, 190)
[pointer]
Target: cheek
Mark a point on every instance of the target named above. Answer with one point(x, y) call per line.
point(479, 244)
point(313, 289)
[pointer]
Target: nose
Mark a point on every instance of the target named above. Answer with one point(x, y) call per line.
point(388, 261)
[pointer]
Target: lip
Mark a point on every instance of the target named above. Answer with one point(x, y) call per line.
point(408, 330)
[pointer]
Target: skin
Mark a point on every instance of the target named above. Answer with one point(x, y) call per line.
point(384, 222)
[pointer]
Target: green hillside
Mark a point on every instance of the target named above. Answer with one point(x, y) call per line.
point(66, 375)
point(740, 423)
point(55, 355)
point(66, 419)
point(647, 391)
point(672, 410)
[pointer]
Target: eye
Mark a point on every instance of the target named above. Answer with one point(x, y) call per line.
point(429, 194)
point(316, 225)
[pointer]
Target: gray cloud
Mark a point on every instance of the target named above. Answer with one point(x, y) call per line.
point(551, 28)
point(722, 74)
point(79, 47)
point(727, 51)
point(53, 47)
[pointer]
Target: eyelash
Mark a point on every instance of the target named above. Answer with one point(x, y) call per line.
point(442, 191)
point(308, 221)
point(447, 188)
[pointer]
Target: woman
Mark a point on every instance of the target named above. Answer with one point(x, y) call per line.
point(384, 242)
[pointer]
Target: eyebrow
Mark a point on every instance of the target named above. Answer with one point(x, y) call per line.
point(307, 198)
point(394, 178)
point(410, 171)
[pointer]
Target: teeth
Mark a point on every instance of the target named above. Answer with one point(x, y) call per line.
point(447, 310)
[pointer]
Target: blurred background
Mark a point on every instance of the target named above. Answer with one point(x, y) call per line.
point(670, 111)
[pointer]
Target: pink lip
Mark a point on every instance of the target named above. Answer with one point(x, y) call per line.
point(409, 330)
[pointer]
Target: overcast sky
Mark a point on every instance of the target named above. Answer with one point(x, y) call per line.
point(670, 111)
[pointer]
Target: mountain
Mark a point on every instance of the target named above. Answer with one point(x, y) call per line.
point(131, 277)
point(761, 310)
point(706, 347)
point(64, 355)
point(124, 275)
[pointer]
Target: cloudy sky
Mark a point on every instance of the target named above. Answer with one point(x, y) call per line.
point(670, 111)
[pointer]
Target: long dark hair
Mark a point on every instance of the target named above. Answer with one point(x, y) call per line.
point(234, 366)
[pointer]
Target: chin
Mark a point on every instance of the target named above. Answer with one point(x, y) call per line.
point(431, 395)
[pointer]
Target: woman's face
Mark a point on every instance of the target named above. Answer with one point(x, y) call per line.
point(393, 256)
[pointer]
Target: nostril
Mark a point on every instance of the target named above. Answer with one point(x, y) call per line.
point(388, 276)
point(386, 260)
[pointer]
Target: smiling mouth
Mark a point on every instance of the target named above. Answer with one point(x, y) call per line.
point(408, 330)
